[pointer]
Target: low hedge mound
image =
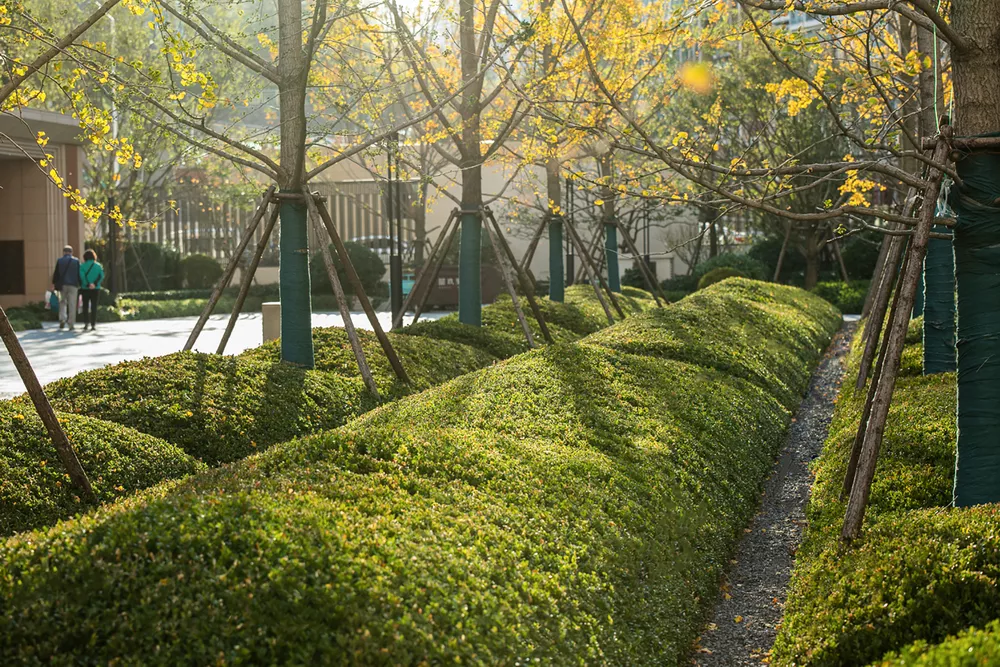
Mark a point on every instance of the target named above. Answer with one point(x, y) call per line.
point(572, 505)
point(921, 571)
point(217, 409)
point(427, 364)
point(971, 648)
point(220, 409)
point(762, 332)
point(35, 489)
point(223, 409)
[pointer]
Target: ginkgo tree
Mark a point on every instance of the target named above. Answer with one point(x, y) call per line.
point(879, 93)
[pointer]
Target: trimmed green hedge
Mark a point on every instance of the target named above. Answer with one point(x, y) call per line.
point(574, 504)
point(718, 275)
point(922, 571)
point(971, 648)
point(847, 297)
point(217, 409)
point(35, 489)
point(762, 332)
point(222, 409)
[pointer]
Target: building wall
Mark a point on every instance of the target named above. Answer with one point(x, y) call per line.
point(32, 211)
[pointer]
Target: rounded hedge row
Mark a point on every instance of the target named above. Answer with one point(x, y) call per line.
point(500, 344)
point(35, 489)
point(222, 409)
point(217, 409)
point(575, 504)
point(921, 571)
point(427, 363)
point(768, 334)
point(971, 648)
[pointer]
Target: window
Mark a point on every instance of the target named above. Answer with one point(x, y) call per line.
point(12, 267)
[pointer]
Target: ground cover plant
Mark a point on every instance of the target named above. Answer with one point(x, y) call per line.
point(34, 487)
point(220, 409)
point(575, 504)
point(922, 571)
point(847, 297)
point(761, 332)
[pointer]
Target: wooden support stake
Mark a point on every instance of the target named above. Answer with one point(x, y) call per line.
point(529, 254)
point(859, 437)
point(654, 287)
point(860, 491)
point(63, 447)
point(248, 280)
point(527, 285)
point(227, 275)
point(432, 279)
point(418, 285)
point(875, 321)
point(345, 312)
point(597, 273)
point(588, 269)
point(883, 253)
point(359, 290)
point(510, 287)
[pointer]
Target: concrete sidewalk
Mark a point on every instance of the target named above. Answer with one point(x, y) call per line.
point(57, 354)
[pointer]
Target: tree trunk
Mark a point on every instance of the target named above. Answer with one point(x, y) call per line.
point(470, 253)
point(608, 215)
point(296, 304)
point(977, 239)
point(811, 253)
point(420, 224)
point(557, 273)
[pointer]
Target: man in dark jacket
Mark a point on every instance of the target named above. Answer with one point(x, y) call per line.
point(66, 281)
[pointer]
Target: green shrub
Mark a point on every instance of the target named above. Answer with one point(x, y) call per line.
point(215, 408)
point(920, 572)
point(971, 648)
point(35, 489)
point(500, 344)
point(744, 263)
point(847, 297)
point(722, 327)
point(682, 284)
point(28, 317)
point(718, 275)
point(575, 504)
point(919, 575)
point(427, 362)
point(200, 271)
point(366, 262)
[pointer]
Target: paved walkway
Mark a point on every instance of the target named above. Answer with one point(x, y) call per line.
point(57, 354)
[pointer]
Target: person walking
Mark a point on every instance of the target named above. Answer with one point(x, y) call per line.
point(91, 278)
point(66, 281)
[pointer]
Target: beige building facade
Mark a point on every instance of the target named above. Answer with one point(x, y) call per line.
point(35, 218)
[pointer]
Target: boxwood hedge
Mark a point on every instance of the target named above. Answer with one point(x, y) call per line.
point(922, 571)
point(576, 504)
point(34, 487)
point(971, 648)
point(762, 332)
point(222, 409)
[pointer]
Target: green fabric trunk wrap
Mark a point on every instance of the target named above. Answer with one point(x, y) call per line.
point(557, 278)
point(939, 306)
point(470, 250)
point(293, 276)
point(977, 274)
point(918, 298)
point(611, 251)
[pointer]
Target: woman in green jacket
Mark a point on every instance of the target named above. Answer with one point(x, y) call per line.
point(91, 277)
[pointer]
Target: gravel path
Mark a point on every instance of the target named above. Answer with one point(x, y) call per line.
point(753, 594)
